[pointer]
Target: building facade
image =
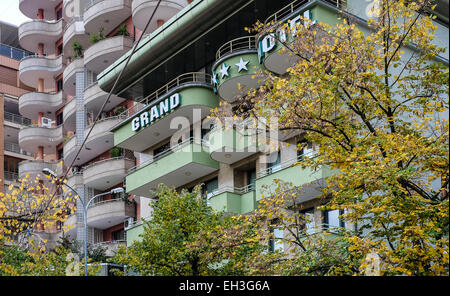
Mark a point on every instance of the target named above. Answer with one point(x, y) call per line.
point(153, 128)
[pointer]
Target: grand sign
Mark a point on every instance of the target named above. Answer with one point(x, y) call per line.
point(155, 112)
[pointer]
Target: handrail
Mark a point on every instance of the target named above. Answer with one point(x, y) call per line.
point(288, 9)
point(105, 160)
point(16, 118)
point(285, 164)
point(13, 147)
point(46, 57)
point(110, 242)
point(167, 152)
point(13, 52)
point(238, 44)
point(237, 190)
point(113, 199)
point(186, 78)
point(11, 176)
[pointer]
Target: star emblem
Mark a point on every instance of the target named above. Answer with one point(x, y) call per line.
point(224, 70)
point(242, 65)
point(214, 78)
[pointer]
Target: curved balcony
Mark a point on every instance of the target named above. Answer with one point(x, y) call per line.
point(107, 213)
point(194, 91)
point(181, 164)
point(94, 97)
point(229, 145)
point(30, 8)
point(31, 137)
point(40, 31)
point(142, 9)
point(107, 14)
point(34, 167)
point(106, 173)
point(70, 226)
point(68, 9)
point(74, 31)
point(33, 68)
point(69, 114)
point(74, 179)
point(99, 141)
point(30, 104)
point(69, 76)
point(103, 53)
point(236, 68)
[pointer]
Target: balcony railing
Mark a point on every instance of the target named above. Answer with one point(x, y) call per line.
point(13, 147)
point(287, 10)
point(237, 190)
point(13, 53)
point(163, 154)
point(285, 164)
point(238, 44)
point(16, 118)
point(187, 78)
point(11, 176)
point(91, 3)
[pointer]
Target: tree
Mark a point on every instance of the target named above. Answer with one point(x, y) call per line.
point(378, 110)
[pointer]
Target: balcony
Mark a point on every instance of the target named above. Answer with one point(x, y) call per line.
point(69, 114)
point(35, 32)
point(16, 118)
point(174, 167)
point(99, 141)
point(10, 176)
point(106, 13)
point(34, 167)
point(133, 231)
point(236, 68)
point(106, 173)
point(68, 9)
point(33, 68)
point(194, 91)
point(234, 200)
point(69, 77)
point(103, 53)
point(111, 246)
point(74, 31)
point(142, 9)
point(15, 148)
point(74, 179)
point(107, 213)
point(274, 55)
point(32, 103)
point(312, 181)
point(94, 97)
point(30, 7)
point(229, 145)
point(31, 137)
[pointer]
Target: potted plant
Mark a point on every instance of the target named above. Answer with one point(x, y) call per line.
point(94, 38)
point(123, 31)
point(77, 49)
point(115, 152)
point(119, 109)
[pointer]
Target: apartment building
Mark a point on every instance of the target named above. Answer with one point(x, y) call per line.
point(10, 119)
point(188, 66)
point(192, 57)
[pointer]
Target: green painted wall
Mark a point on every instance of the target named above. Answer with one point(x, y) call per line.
point(190, 96)
point(133, 234)
point(253, 66)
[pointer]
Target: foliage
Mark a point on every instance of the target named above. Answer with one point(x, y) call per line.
point(123, 31)
point(115, 152)
point(77, 49)
point(94, 38)
point(376, 109)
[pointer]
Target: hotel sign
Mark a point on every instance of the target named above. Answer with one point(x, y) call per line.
point(155, 112)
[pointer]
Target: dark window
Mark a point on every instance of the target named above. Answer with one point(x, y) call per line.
point(60, 153)
point(161, 149)
point(59, 14)
point(275, 165)
point(59, 49)
point(59, 119)
point(118, 235)
point(276, 243)
point(210, 187)
point(59, 85)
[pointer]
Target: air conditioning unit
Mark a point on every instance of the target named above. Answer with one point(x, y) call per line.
point(129, 222)
point(46, 122)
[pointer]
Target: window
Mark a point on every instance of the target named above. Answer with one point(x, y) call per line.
point(59, 85)
point(276, 165)
point(118, 235)
point(276, 244)
point(331, 219)
point(310, 225)
point(59, 14)
point(251, 177)
point(59, 50)
point(210, 188)
point(308, 150)
point(60, 153)
point(161, 149)
point(59, 119)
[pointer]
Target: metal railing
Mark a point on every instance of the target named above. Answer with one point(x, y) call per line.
point(187, 78)
point(238, 44)
point(105, 160)
point(16, 118)
point(13, 52)
point(231, 189)
point(287, 10)
point(13, 147)
point(167, 152)
point(11, 176)
point(120, 116)
point(285, 164)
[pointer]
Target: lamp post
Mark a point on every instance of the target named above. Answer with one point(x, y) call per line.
point(52, 174)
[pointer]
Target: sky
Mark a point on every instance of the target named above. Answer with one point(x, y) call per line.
point(10, 13)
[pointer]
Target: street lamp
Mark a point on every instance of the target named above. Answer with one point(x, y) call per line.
point(52, 174)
